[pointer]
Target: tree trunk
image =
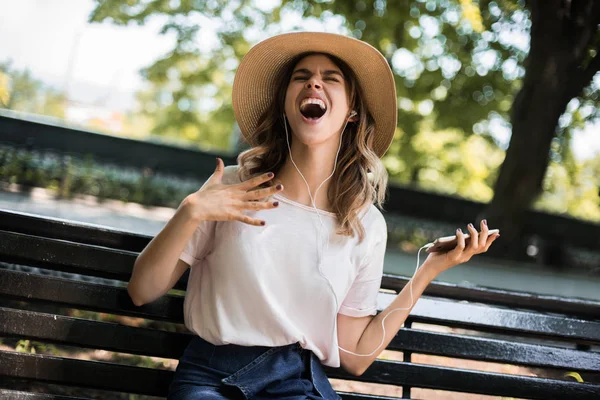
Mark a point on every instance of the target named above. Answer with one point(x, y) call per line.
point(561, 34)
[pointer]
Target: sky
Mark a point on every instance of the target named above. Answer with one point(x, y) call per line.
point(100, 63)
point(104, 59)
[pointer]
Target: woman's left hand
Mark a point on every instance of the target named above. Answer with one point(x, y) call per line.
point(480, 243)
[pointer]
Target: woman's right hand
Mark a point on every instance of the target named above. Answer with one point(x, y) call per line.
point(216, 201)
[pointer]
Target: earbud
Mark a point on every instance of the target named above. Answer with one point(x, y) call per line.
point(353, 113)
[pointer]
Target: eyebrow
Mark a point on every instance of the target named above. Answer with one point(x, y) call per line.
point(326, 72)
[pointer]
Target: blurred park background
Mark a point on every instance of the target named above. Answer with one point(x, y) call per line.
point(497, 100)
point(497, 105)
point(163, 70)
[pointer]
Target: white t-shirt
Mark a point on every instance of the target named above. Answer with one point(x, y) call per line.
point(260, 286)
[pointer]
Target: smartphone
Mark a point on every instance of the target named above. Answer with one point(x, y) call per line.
point(448, 243)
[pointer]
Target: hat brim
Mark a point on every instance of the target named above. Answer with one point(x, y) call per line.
point(255, 79)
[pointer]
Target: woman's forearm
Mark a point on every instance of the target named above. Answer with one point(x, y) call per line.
point(371, 337)
point(155, 266)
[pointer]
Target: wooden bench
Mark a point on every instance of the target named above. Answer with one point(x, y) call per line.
point(49, 266)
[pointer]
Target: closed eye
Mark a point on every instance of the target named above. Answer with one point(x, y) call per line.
point(303, 78)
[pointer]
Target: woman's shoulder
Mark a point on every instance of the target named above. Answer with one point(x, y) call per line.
point(373, 220)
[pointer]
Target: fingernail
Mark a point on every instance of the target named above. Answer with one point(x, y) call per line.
point(279, 187)
point(485, 222)
point(458, 230)
point(471, 226)
point(270, 174)
point(276, 203)
point(263, 223)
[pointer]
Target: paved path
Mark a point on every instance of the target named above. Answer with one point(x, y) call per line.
point(527, 277)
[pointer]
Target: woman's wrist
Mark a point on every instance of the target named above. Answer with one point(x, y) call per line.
point(191, 211)
point(431, 269)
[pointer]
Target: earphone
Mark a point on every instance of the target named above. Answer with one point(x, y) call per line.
point(319, 254)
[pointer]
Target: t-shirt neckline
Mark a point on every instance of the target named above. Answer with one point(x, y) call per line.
point(302, 206)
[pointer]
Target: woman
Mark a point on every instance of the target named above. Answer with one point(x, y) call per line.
point(283, 280)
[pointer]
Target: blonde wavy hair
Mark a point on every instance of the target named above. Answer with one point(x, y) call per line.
point(360, 178)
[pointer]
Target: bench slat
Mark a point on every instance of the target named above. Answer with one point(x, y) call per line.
point(518, 300)
point(92, 334)
point(113, 337)
point(356, 396)
point(7, 394)
point(90, 374)
point(459, 380)
point(72, 231)
point(155, 382)
point(481, 317)
point(88, 296)
point(78, 258)
point(66, 256)
point(494, 350)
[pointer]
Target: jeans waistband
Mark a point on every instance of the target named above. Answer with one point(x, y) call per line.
point(252, 369)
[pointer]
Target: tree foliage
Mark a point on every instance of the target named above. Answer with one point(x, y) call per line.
point(189, 91)
point(458, 64)
point(20, 91)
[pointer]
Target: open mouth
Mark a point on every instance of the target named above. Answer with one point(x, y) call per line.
point(312, 109)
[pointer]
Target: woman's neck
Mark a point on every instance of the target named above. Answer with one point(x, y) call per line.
point(316, 164)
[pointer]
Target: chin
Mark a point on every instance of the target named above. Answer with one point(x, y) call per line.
point(309, 140)
point(310, 134)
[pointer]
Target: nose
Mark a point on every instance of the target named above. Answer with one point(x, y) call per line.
point(313, 83)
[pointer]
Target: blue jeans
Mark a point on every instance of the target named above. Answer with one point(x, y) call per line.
point(233, 372)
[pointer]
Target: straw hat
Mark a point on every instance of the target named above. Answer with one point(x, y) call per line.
point(254, 84)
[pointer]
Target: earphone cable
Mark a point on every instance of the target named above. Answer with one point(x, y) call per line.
point(320, 250)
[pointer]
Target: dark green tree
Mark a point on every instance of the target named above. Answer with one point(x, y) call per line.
point(560, 66)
